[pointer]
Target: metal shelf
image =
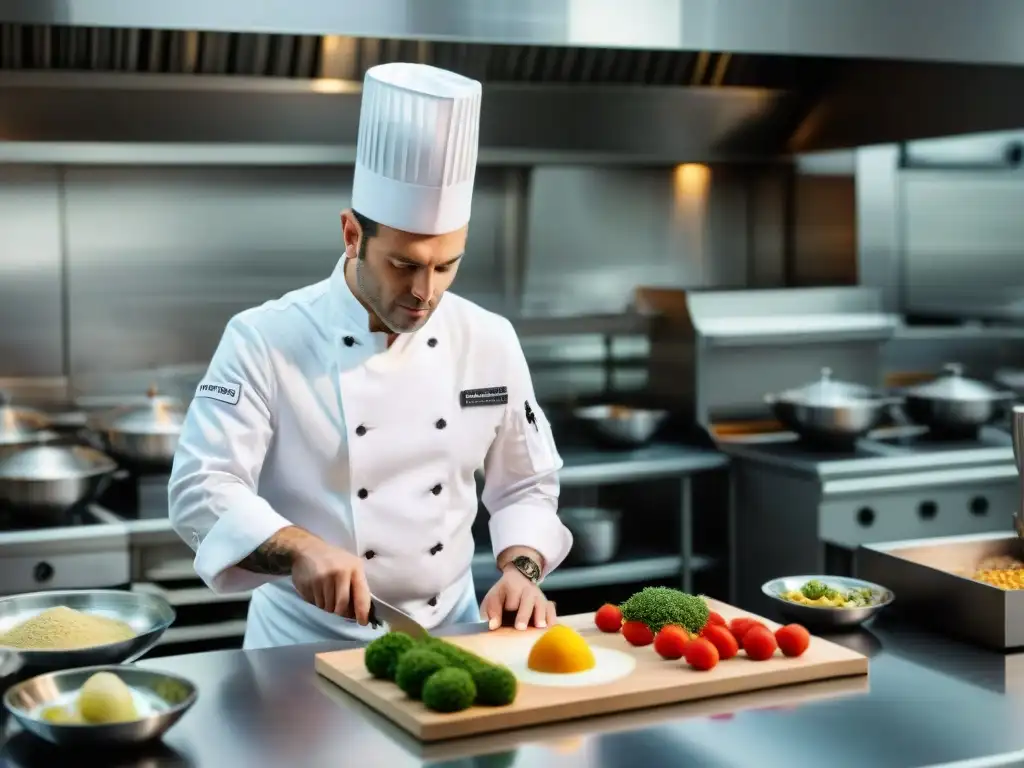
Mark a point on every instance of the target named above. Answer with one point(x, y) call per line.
point(649, 463)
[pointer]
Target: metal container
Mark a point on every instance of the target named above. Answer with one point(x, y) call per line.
point(954, 405)
point(145, 433)
point(933, 579)
point(595, 534)
point(1017, 428)
point(821, 618)
point(149, 615)
point(50, 479)
point(22, 427)
point(621, 425)
point(831, 412)
point(166, 697)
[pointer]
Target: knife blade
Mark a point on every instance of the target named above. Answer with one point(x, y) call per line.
point(394, 618)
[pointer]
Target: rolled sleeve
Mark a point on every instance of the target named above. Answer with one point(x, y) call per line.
point(213, 502)
point(521, 485)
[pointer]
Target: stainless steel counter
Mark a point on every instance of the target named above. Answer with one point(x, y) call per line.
point(927, 701)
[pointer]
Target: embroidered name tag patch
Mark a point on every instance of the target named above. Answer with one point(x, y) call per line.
point(489, 396)
point(226, 393)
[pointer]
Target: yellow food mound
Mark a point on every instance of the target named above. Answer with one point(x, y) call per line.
point(64, 629)
point(106, 699)
point(64, 715)
point(561, 650)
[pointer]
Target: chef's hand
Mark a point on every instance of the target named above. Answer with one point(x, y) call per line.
point(331, 579)
point(516, 593)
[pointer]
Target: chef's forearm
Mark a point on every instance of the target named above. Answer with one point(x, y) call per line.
point(275, 556)
point(509, 554)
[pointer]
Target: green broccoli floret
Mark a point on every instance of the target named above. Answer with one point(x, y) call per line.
point(814, 589)
point(496, 685)
point(449, 690)
point(659, 606)
point(415, 667)
point(382, 655)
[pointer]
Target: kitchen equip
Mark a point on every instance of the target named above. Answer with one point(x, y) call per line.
point(819, 617)
point(652, 681)
point(50, 479)
point(149, 615)
point(1017, 427)
point(595, 533)
point(954, 405)
point(144, 433)
point(1011, 379)
point(621, 425)
point(21, 427)
point(395, 619)
point(166, 697)
point(831, 412)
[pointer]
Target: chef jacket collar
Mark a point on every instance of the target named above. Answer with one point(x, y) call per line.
point(352, 319)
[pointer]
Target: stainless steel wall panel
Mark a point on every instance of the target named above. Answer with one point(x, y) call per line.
point(31, 319)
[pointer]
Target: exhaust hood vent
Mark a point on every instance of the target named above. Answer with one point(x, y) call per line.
point(100, 49)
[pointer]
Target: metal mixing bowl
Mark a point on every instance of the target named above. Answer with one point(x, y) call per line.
point(148, 615)
point(621, 425)
point(595, 533)
point(819, 617)
point(166, 696)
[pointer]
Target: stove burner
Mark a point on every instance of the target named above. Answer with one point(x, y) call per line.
point(137, 497)
point(14, 519)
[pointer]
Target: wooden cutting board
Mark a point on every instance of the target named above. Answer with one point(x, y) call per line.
point(653, 681)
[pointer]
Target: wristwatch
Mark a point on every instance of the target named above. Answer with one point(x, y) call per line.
point(527, 566)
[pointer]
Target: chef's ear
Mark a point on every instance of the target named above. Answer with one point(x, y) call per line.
point(350, 233)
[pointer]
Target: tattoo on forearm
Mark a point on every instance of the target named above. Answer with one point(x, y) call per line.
point(270, 559)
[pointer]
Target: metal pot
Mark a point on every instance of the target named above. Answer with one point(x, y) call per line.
point(595, 534)
point(831, 412)
point(621, 425)
point(50, 479)
point(22, 427)
point(954, 405)
point(145, 433)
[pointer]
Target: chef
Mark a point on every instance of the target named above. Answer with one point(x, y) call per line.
point(330, 451)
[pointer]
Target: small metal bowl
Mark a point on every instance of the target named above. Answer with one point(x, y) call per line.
point(621, 425)
point(820, 617)
point(165, 697)
point(149, 615)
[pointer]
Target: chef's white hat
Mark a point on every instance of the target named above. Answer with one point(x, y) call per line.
point(417, 148)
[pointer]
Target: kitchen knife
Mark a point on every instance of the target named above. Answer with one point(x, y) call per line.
point(394, 618)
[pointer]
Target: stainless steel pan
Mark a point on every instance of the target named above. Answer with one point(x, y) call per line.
point(830, 412)
point(145, 433)
point(955, 405)
point(22, 427)
point(50, 479)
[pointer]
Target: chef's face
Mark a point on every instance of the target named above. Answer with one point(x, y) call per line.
point(401, 276)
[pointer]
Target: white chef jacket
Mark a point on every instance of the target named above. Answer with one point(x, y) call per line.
point(307, 418)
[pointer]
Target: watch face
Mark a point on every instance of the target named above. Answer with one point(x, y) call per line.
point(527, 567)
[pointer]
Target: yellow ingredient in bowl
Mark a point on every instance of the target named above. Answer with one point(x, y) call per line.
point(1009, 579)
point(105, 698)
point(63, 628)
point(60, 715)
point(561, 650)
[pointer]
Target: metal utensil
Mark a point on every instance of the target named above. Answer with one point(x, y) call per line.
point(820, 617)
point(595, 533)
point(49, 479)
point(953, 404)
point(144, 433)
point(1017, 427)
point(167, 696)
point(22, 427)
point(394, 618)
point(149, 615)
point(831, 412)
point(621, 425)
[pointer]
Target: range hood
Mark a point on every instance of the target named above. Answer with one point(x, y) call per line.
point(671, 81)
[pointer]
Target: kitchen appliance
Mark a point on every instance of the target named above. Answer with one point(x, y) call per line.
point(644, 680)
point(953, 405)
point(48, 480)
point(831, 413)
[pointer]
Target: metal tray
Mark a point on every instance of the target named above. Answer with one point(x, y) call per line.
point(932, 579)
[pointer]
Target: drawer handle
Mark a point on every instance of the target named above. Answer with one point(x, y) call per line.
point(43, 571)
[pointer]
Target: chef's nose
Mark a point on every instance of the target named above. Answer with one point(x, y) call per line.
point(423, 285)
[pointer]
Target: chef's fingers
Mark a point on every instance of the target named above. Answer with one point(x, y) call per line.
point(360, 597)
point(490, 608)
point(526, 603)
point(552, 614)
point(327, 592)
point(342, 594)
point(540, 613)
point(317, 588)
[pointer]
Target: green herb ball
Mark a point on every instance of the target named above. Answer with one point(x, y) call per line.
point(382, 655)
point(495, 686)
point(449, 690)
point(415, 667)
point(658, 606)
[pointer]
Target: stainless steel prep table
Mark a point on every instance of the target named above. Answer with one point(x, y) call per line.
point(929, 701)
